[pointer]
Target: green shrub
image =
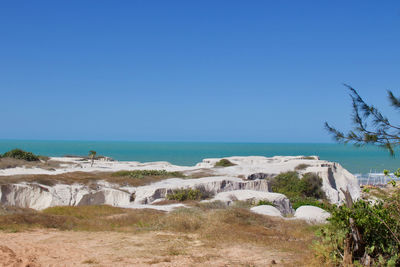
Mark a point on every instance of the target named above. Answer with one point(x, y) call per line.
point(184, 194)
point(288, 183)
point(379, 227)
point(224, 163)
point(138, 174)
point(292, 186)
point(20, 154)
point(312, 186)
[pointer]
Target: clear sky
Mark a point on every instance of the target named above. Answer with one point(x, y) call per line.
point(242, 71)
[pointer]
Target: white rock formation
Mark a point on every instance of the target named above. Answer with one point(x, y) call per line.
point(149, 193)
point(32, 195)
point(333, 175)
point(311, 214)
point(280, 201)
point(35, 196)
point(267, 210)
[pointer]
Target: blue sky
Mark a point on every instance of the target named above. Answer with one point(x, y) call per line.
point(241, 71)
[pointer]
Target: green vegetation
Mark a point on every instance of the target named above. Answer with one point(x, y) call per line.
point(288, 184)
point(370, 125)
point(291, 185)
point(184, 194)
point(312, 186)
point(377, 227)
point(139, 174)
point(224, 163)
point(363, 233)
point(305, 191)
point(20, 154)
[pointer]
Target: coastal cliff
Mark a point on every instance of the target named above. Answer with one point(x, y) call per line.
point(246, 173)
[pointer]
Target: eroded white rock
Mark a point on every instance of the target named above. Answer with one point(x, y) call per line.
point(35, 196)
point(149, 193)
point(334, 177)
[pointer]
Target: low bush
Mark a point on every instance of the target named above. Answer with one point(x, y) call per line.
point(312, 186)
point(184, 194)
point(288, 184)
point(20, 154)
point(138, 174)
point(292, 186)
point(224, 163)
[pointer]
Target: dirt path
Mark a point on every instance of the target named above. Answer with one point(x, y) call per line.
point(67, 248)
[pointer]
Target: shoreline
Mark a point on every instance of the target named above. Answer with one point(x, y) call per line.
point(356, 160)
point(69, 164)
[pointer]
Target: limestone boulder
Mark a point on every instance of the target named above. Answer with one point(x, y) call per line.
point(150, 193)
point(312, 215)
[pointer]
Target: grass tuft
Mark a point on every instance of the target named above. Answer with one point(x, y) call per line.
point(301, 167)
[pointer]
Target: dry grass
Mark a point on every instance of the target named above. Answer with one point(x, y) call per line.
point(87, 218)
point(6, 163)
point(214, 226)
point(301, 166)
point(86, 178)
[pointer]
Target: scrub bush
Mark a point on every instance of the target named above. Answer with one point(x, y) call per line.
point(224, 163)
point(20, 154)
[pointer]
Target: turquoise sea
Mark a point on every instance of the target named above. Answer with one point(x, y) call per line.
point(356, 160)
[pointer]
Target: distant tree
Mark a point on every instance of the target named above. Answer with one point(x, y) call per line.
point(92, 155)
point(370, 125)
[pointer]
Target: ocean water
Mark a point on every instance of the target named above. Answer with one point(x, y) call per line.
point(356, 160)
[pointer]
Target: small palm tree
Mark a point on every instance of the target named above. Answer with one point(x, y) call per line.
point(92, 155)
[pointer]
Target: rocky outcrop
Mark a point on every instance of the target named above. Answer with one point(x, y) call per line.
point(149, 193)
point(37, 196)
point(311, 214)
point(257, 169)
point(26, 196)
point(334, 176)
point(281, 202)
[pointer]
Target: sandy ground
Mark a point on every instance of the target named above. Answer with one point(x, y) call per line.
point(68, 248)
